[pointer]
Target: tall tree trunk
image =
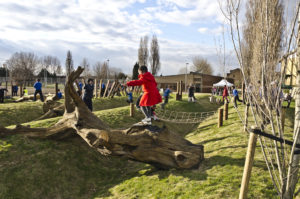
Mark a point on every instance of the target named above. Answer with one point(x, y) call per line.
point(295, 158)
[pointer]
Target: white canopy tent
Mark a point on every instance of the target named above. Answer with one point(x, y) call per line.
point(222, 83)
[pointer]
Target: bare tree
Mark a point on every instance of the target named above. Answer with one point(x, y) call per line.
point(69, 63)
point(85, 64)
point(51, 63)
point(97, 70)
point(258, 53)
point(184, 70)
point(23, 66)
point(104, 70)
point(154, 58)
point(201, 65)
point(143, 53)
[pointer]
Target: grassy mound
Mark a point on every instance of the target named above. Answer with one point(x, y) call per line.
point(70, 169)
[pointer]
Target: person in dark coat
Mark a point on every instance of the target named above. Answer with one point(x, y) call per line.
point(38, 90)
point(151, 95)
point(88, 94)
point(2, 90)
point(191, 93)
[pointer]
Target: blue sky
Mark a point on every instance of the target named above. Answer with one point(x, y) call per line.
point(111, 29)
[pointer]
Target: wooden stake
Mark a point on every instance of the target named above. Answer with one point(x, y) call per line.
point(226, 111)
point(248, 166)
point(220, 121)
point(21, 90)
point(106, 88)
point(56, 88)
point(246, 117)
point(95, 88)
point(282, 118)
point(178, 88)
point(131, 109)
point(100, 88)
point(111, 89)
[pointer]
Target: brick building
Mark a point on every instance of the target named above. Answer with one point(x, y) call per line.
point(236, 75)
point(203, 83)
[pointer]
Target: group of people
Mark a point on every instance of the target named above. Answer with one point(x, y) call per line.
point(225, 94)
point(38, 90)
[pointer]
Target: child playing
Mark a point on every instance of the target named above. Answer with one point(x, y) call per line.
point(25, 92)
point(59, 94)
point(151, 95)
point(129, 94)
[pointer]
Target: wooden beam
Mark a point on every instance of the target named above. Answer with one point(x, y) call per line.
point(106, 88)
point(100, 88)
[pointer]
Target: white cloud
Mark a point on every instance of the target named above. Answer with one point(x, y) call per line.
point(101, 29)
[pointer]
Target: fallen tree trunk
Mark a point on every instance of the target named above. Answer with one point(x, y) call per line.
point(149, 144)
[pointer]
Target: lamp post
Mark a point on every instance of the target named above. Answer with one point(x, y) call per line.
point(185, 83)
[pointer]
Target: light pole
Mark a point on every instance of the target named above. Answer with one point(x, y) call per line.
point(107, 69)
point(185, 84)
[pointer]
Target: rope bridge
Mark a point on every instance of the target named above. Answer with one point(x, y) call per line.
point(182, 117)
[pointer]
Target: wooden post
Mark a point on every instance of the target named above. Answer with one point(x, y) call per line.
point(246, 117)
point(220, 122)
point(11, 85)
point(243, 93)
point(111, 89)
point(95, 90)
point(226, 111)
point(115, 89)
point(100, 88)
point(21, 90)
point(181, 84)
point(131, 109)
point(106, 88)
point(282, 118)
point(248, 166)
point(56, 88)
point(177, 87)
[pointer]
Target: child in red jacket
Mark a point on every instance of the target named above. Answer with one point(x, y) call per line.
point(151, 95)
point(225, 94)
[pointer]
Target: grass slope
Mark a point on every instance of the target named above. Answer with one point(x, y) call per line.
point(70, 169)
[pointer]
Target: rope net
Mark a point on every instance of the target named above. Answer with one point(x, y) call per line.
point(182, 117)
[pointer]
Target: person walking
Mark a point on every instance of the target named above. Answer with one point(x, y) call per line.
point(88, 94)
point(38, 90)
point(151, 95)
point(166, 97)
point(235, 96)
point(191, 93)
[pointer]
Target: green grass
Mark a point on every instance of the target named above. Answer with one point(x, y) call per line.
point(70, 169)
point(16, 113)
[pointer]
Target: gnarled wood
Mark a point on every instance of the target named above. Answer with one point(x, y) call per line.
point(150, 144)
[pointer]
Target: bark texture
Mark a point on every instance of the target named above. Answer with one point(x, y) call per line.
point(149, 144)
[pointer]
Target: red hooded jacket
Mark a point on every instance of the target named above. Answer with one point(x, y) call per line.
point(151, 95)
point(225, 92)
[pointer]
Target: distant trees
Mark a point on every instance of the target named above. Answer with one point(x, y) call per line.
point(85, 64)
point(201, 65)
point(154, 56)
point(143, 53)
point(97, 70)
point(51, 64)
point(22, 66)
point(135, 72)
point(69, 63)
